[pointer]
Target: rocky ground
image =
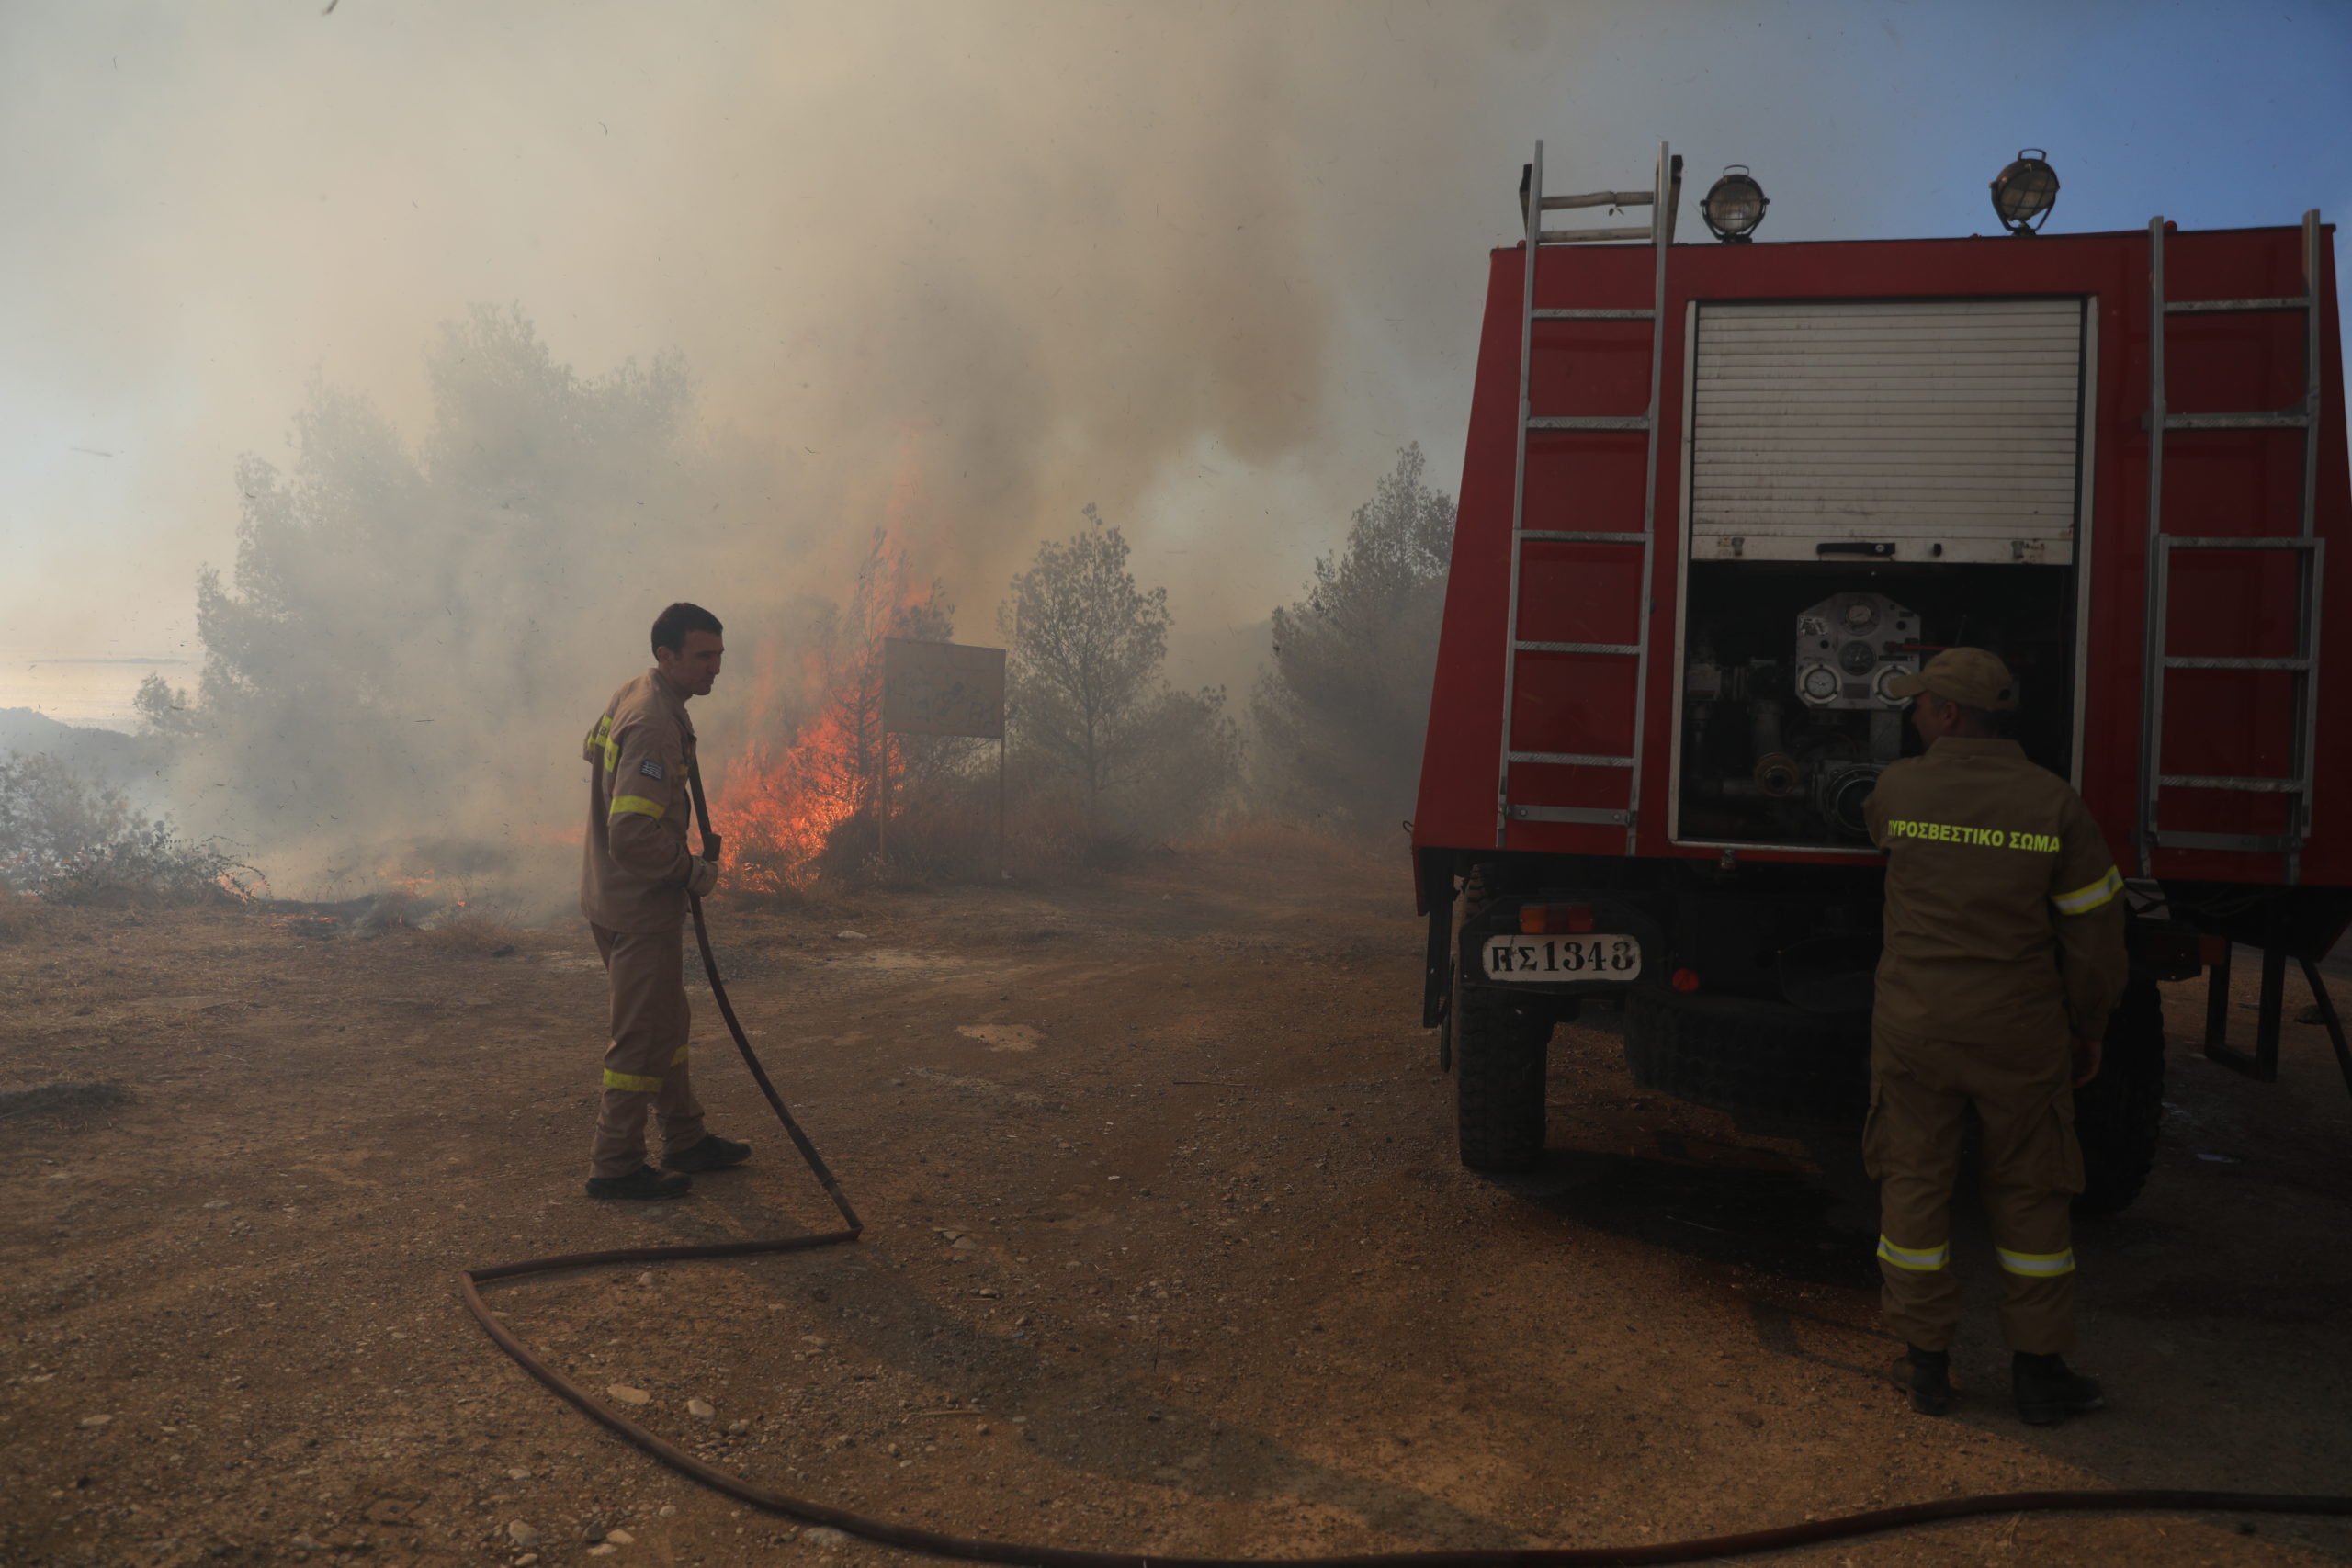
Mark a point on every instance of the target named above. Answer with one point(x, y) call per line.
point(1167, 1252)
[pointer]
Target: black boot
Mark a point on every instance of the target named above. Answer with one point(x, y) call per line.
point(710, 1152)
point(1930, 1380)
point(644, 1182)
point(2048, 1391)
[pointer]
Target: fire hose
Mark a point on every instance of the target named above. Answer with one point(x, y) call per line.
point(1781, 1537)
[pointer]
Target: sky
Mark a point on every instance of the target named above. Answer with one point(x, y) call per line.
point(1207, 269)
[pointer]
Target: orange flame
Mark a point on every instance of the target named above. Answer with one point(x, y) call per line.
point(784, 798)
point(792, 792)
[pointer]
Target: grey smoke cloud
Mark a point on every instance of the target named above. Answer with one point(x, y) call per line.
point(1061, 252)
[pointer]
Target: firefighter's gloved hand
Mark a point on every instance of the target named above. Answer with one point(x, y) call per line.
point(703, 879)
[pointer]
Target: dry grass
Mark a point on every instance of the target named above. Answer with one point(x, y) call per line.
point(470, 930)
point(20, 915)
point(1278, 840)
point(941, 837)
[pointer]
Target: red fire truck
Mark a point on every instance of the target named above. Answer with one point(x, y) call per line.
point(1717, 494)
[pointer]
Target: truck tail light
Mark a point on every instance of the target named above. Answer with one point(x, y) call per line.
point(1685, 980)
point(1542, 919)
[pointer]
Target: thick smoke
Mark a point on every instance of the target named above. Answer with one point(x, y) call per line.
point(955, 270)
point(951, 270)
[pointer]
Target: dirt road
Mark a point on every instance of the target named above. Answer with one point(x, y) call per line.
point(1168, 1251)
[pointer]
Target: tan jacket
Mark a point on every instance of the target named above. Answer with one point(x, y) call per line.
point(634, 867)
point(2004, 909)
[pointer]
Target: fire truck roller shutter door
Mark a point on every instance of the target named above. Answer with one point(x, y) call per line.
point(1944, 428)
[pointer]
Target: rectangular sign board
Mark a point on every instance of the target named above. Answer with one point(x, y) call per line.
point(941, 688)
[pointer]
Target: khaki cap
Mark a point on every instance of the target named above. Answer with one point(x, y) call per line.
point(1969, 676)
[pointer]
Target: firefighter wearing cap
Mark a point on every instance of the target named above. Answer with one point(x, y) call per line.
point(2004, 956)
point(635, 874)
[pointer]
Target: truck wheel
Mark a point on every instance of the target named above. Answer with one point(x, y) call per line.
point(2117, 1113)
point(1500, 1046)
point(1739, 1055)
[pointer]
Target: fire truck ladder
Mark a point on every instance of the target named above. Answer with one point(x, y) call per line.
point(1662, 197)
point(2308, 549)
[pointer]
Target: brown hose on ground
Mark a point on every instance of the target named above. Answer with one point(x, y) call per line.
point(1871, 1522)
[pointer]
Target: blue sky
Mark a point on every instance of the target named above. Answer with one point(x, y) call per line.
point(211, 204)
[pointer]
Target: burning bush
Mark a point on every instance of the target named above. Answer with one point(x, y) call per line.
point(800, 799)
point(72, 840)
point(1104, 756)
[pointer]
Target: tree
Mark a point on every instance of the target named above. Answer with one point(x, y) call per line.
point(399, 650)
point(1341, 713)
point(1084, 649)
point(165, 711)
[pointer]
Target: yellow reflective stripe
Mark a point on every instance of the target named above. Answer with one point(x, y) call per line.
point(2082, 900)
point(2037, 1263)
point(640, 805)
point(631, 1082)
point(679, 1058)
point(1918, 1260)
point(603, 739)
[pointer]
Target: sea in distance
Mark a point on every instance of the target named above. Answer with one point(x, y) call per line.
point(90, 690)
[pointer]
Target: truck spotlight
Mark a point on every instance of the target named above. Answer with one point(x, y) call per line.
point(2024, 191)
point(1734, 206)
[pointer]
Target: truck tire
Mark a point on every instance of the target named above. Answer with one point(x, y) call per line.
point(2117, 1113)
point(1500, 1043)
point(1742, 1056)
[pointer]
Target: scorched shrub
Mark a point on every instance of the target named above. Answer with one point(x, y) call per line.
point(72, 840)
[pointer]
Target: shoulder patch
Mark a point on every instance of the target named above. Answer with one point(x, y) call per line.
point(650, 768)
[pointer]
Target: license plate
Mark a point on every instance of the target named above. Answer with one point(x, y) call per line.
point(1595, 955)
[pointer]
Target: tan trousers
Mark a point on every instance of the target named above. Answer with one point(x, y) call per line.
point(1920, 1093)
point(645, 1066)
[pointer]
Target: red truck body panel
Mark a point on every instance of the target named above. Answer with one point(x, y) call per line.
point(2217, 483)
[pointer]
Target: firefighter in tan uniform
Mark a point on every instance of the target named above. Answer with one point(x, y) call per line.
point(634, 878)
point(2004, 957)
